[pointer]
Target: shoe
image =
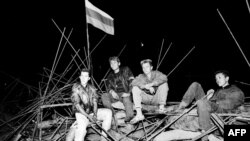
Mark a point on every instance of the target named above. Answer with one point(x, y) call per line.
point(137, 119)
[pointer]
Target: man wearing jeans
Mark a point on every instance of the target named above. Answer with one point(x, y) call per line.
point(149, 88)
point(226, 99)
point(84, 99)
point(118, 87)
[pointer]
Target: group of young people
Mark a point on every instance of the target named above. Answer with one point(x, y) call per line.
point(149, 88)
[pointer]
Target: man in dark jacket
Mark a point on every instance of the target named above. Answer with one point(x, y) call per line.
point(118, 87)
point(84, 100)
point(226, 99)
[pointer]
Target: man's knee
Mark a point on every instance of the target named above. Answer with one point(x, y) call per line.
point(108, 113)
point(82, 124)
point(105, 96)
point(106, 101)
point(164, 86)
point(195, 85)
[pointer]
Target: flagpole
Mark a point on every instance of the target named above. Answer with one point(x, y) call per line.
point(88, 45)
point(89, 65)
point(87, 36)
point(98, 19)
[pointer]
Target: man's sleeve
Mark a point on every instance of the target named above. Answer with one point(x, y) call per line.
point(129, 72)
point(159, 79)
point(75, 97)
point(238, 98)
point(138, 81)
point(95, 95)
point(129, 75)
point(233, 99)
point(109, 83)
point(95, 99)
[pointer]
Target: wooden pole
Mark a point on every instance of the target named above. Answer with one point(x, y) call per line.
point(160, 54)
point(90, 66)
point(248, 7)
point(233, 38)
point(164, 55)
point(211, 130)
point(180, 61)
point(172, 122)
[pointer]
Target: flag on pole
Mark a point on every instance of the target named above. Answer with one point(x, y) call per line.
point(98, 18)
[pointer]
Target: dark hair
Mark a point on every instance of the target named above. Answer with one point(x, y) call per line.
point(114, 58)
point(224, 72)
point(85, 70)
point(146, 61)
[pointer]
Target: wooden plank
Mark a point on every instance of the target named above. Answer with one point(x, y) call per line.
point(56, 105)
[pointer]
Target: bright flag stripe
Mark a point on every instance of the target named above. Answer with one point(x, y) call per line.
point(98, 18)
point(106, 28)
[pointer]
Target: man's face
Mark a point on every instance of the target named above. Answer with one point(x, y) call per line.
point(221, 79)
point(84, 78)
point(114, 64)
point(146, 67)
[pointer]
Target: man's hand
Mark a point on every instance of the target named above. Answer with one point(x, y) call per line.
point(210, 93)
point(147, 86)
point(114, 94)
point(150, 87)
point(152, 90)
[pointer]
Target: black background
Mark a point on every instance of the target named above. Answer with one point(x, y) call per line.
point(30, 39)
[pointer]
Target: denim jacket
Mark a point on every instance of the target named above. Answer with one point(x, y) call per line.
point(157, 77)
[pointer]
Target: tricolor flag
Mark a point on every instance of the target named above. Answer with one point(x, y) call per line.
point(98, 18)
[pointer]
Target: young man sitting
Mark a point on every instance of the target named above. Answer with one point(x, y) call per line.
point(150, 88)
point(84, 99)
point(224, 100)
point(118, 87)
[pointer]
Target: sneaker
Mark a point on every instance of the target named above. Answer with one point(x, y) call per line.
point(137, 118)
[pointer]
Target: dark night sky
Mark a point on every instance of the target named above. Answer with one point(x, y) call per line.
point(30, 39)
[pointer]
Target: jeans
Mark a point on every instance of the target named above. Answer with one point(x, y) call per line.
point(107, 100)
point(160, 97)
point(104, 115)
point(204, 107)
